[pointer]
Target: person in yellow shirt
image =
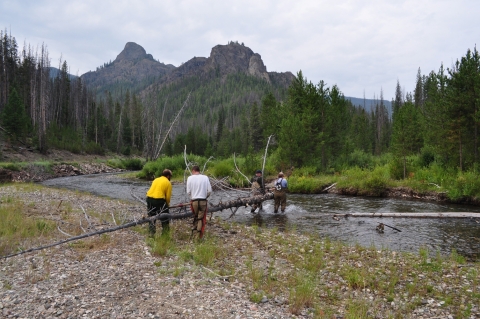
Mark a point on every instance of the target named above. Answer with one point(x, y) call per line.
point(158, 200)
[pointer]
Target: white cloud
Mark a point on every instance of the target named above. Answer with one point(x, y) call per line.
point(362, 46)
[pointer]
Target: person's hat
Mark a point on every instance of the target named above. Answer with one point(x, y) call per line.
point(258, 171)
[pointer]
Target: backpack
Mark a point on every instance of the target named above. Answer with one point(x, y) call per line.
point(278, 185)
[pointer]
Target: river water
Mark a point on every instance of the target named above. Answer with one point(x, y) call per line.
point(313, 213)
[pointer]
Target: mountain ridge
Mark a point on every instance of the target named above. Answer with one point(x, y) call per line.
point(133, 65)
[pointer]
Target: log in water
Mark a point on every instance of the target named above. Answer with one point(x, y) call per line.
point(414, 215)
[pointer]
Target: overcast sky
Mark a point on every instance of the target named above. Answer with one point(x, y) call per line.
point(363, 46)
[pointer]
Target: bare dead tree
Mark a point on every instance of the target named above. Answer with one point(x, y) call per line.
point(157, 154)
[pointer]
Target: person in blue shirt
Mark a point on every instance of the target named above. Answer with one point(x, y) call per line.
point(280, 193)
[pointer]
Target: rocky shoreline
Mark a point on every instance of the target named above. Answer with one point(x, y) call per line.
point(37, 173)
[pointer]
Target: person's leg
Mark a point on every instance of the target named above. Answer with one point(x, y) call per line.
point(165, 222)
point(202, 217)
point(152, 211)
point(284, 202)
point(194, 206)
point(276, 203)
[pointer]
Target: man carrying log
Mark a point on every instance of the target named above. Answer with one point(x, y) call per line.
point(199, 188)
point(158, 199)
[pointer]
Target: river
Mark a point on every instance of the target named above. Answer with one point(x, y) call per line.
point(313, 213)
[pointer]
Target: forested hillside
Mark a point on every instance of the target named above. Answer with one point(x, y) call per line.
point(229, 103)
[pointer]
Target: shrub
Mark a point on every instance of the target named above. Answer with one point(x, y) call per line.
point(11, 166)
point(94, 148)
point(174, 163)
point(223, 168)
point(360, 159)
point(133, 164)
point(427, 157)
point(377, 181)
point(306, 185)
point(465, 185)
point(307, 171)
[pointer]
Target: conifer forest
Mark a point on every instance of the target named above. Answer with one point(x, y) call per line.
point(313, 125)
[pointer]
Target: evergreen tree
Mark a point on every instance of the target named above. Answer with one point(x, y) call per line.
point(406, 137)
point(464, 107)
point(14, 119)
point(255, 129)
point(418, 93)
point(269, 115)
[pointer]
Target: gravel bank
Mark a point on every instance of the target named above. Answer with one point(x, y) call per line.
point(119, 275)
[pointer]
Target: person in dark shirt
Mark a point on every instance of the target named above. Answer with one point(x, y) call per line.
point(257, 188)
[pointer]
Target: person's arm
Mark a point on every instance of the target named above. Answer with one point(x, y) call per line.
point(209, 187)
point(189, 190)
point(168, 194)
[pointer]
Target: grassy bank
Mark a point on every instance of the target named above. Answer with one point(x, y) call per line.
point(374, 178)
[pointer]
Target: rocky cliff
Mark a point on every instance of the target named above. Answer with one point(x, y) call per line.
point(228, 59)
point(132, 66)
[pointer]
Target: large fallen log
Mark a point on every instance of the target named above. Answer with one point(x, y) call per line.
point(162, 216)
point(414, 215)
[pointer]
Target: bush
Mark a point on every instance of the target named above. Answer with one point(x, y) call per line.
point(427, 157)
point(11, 166)
point(360, 159)
point(465, 185)
point(94, 148)
point(175, 163)
point(368, 182)
point(307, 171)
point(306, 185)
point(133, 164)
point(377, 181)
point(223, 168)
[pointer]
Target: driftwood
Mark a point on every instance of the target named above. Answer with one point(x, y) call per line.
point(326, 189)
point(211, 209)
point(414, 215)
point(380, 227)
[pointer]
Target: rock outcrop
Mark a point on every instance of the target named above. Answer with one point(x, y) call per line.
point(132, 66)
point(229, 59)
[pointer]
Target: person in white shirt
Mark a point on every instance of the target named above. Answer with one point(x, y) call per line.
point(199, 188)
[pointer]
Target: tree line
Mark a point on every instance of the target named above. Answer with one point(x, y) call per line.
point(313, 125)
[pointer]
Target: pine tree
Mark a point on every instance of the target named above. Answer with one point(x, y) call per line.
point(255, 129)
point(14, 119)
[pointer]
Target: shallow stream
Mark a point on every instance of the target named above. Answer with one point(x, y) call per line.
point(313, 213)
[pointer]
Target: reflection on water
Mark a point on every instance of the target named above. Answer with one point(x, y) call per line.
point(313, 213)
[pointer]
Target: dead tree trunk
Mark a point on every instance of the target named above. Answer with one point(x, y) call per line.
point(414, 215)
point(212, 208)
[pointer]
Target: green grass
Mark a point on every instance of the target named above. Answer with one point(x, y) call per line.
point(302, 292)
point(15, 226)
point(161, 245)
point(206, 252)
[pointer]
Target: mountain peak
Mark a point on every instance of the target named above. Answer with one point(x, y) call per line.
point(132, 66)
point(235, 57)
point(133, 51)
